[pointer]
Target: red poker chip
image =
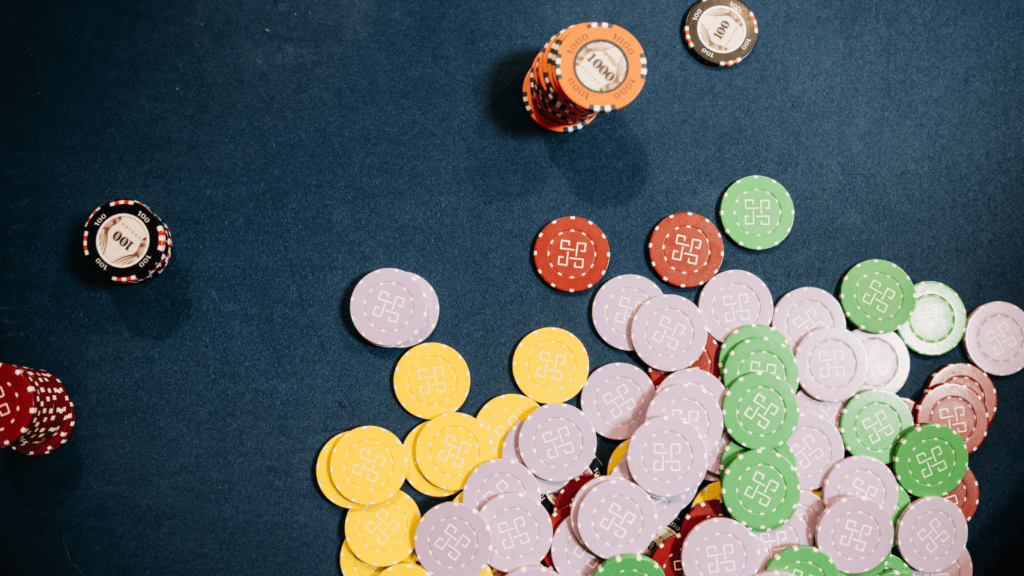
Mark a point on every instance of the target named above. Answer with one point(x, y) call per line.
point(957, 407)
point(974, 378)
point(668, 555)
point(708, 360)
point(55, 442)
point(571, 254)
point(686, 250)
point(657, 375)
point(966, 495)
point(18, 404)
point(563, 500)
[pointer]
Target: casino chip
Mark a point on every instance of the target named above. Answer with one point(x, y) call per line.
point(877, 296)
point(378, 547)
point(557, 442)
point(761, 489)
point(966, 495)
point(803, 310)
point(938, 321)
point(871, 423)
point(496, 477)
point(888, 361)
point(901, 504)
point(431, 379)
point(520, 530)
point(668, 332)
point(630, 565)
point(533, 571)
point(864, 477)
point(686, 250)
point(667, 457)
point(930, 460)
point(413, 474)
point(849, 515)
point(391, 308)
point(832, 364)
point(614, 305)
point(760, 411)
point(18, 405)
point(616, 398)
point(817, 445)
point(761, 357)
point(805, 560)
point(720, 32)
point(704, 546)
point(615, 517)
point(323, 478)
point(550, 365)
point(453, 539)
point(503, 412)
point(957, 407)
point(352, 566)
point(745, 333)
point(732, 299)
point(695, 406)
point(827, 410)
point(972, 377)
point(925, 523)
point(368, 465)
point(757, 213)
point(571, 254)
point(126, 242)
point(569, 557)
point(411, 569)
point(40, 398)
point(995, 338)
point(695, 376)
point(450, 446)
point(618, 454)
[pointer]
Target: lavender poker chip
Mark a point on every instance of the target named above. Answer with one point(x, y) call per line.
point(721, 547)
point(616, 517)
point(520, 530)
point(496, 477)
point(694, 405)
point(667, 457)
point(964, 566)
point(931, 534)
point(569, 556)
point(817, 445)
point(994, 339)
point(389, 307)
point(615, 399)
point(508, 445)
point(532, 571)
point(557, 442)
point(695, 376)
point(856, 533)
point(810, 508)
point(614, 305)
point(622, 470)
point(452, 539)
point(668, 332)
point(715, 465)
point(574, 510)
point(732, 299)
point(803, 310)
point(433, 312)
point(832, 364)
point(888, 360)
point(794, 532)
point(865, 477)
point(827, 410)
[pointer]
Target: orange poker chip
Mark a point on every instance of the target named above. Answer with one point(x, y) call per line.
point(600, 66)
point(571, 254)
point(686, 250)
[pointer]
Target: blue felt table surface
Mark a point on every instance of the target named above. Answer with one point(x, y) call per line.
point(295, 146)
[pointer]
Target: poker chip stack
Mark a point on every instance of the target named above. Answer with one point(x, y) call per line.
point(585, 69)
point(127, 242)
point(36, 413)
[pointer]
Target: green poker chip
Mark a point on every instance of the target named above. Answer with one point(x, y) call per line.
point(930, 460)
point(877, 296)
point(761, 489)
point(760, 411)
point(760, 356)
point(897, 572)
point(630, 565)
point(744, 333)
point(891, 562)
point(732, 449)
point(757, 212)
point(805, 560)
point(901, 504)
point(938, 322)
point(871, 423)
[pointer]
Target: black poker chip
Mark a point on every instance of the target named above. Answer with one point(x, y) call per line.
point(720, 32)
point(126, 241)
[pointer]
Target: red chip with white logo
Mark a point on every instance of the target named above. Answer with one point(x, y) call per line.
point(571, 254)
point(686, 250)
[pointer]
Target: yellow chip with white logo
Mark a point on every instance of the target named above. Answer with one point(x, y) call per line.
point(712, 491)
point(382, 534)
point(406, 569)
point(431, 379)
point(450, 446)
point(503, 412)
point(352, 566)
point(617, 455)
point(323, 476)
point(550, 365)
point(413, 474)
point(368, 465)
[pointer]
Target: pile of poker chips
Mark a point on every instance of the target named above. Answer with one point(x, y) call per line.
point(773, 429)
point(583, 70)
point(36, 413)
point(127, 242)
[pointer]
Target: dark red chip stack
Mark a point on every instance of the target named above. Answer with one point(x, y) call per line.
point(36, 413)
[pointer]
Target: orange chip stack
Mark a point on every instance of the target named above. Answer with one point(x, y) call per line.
point(585, 69)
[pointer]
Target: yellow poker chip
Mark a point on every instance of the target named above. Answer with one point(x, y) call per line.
point(411, 558)
point(816, 493)
point(450, 446)
point(368, 465)
point(712, 491)
point(382, 534)
point(431, 379)
point(406, 569)
point(458, 498)
point(505, 411)
point(323, 476)
point(550, 365)
point(617, 455)
point(352, 566)
point(413, 474)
